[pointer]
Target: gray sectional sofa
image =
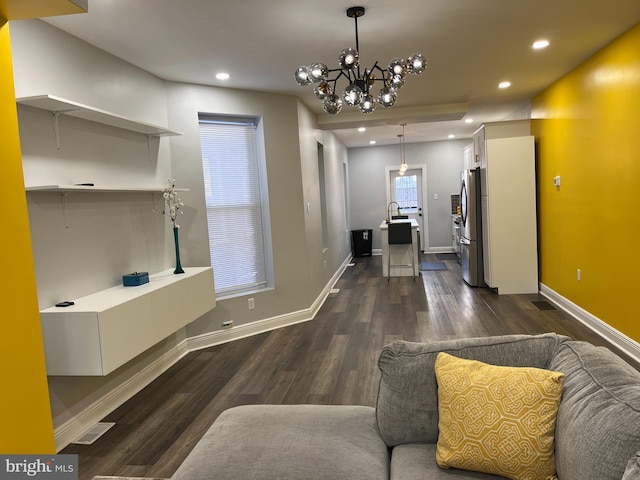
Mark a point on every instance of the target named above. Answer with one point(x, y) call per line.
point(597, 430)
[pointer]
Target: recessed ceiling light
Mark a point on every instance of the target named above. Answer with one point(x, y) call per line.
point(452, 136)
point(468, 120)
point(504, 84)
point(362, 129)
point(372, 142)
point(223, 76)
point(540, 44)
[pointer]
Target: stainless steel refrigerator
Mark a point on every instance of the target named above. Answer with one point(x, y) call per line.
point(471, 228)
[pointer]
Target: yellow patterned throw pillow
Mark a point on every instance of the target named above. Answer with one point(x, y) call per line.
point(497, 420)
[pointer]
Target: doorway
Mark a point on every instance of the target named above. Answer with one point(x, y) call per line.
point(408, 191)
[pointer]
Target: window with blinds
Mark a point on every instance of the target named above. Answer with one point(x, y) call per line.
point(406, 193)
point(233, 186)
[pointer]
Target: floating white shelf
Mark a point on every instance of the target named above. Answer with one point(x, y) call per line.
point(97, 188)
point(62, 106)
point(105, 330)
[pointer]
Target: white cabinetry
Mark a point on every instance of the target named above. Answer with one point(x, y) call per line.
point(467, 157)
point(509, 231)
point(104, 330)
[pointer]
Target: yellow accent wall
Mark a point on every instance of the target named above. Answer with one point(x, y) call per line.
point(25, 414)
point(587, 127)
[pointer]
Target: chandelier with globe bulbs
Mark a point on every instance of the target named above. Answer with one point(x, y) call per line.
point(357, 93)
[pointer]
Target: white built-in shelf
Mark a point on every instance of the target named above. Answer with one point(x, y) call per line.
point(62, 106)
point(105, 330)
point(97, 188)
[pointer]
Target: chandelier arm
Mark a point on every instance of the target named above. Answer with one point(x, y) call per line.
point(385, 73)
point(340, 74)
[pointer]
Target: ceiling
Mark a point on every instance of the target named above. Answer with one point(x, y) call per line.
point(470, 46)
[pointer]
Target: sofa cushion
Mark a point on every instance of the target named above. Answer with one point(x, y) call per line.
point(632, 472)
point(417, 461)
point(407, 404)
point(497, 419)
point(598, 426)
point(283, 442)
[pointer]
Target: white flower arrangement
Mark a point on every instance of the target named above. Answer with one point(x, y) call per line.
point(173, 205)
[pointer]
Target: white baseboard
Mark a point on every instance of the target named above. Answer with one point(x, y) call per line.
point(601, 328)
point(440, 250)
point(378, 251)
point(85, 420)
point(218, 337)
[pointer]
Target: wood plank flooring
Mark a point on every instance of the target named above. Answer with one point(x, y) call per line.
point(329, 360)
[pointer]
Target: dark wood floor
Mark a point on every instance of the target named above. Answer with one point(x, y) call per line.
point(330, 360)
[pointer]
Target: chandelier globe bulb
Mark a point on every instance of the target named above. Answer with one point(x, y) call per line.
point(352, 95)
point(387, 97)
point(332, 104)
point(416, 64)
point(318, 72)
point(302, 76)
point(322, 89)
point(396, 82)
point(397, 66)
point(368, 104)
point(349, 59)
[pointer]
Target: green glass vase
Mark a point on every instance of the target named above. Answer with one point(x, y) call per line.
point(177, 244)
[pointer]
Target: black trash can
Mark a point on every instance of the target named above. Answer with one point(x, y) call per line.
point(361, 242)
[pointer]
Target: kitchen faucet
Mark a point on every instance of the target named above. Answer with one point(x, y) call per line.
point(389, 210)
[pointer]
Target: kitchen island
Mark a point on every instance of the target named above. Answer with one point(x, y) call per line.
point(401, 254)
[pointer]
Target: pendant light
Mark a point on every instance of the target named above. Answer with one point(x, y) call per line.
point(403, 161)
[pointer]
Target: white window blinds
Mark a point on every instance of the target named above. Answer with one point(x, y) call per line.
point(406, 193)
point(232, 186)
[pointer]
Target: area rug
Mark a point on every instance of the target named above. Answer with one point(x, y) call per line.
point(432, 266)
point(447, 256)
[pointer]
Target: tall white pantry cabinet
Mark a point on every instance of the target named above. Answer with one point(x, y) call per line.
point(506, 153)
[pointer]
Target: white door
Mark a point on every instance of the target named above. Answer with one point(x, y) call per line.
point(407, 191)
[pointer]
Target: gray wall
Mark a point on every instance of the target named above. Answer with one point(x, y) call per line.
point(116, 233)
point(108, 234)
point(367, 188)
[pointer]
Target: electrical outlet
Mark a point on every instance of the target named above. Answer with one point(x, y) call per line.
point(252, 303)
point(227, 324)
point(579, 274)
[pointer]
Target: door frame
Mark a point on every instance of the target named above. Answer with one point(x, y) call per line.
point(424, 232)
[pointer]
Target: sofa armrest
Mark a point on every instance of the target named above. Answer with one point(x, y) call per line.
point(407, 404)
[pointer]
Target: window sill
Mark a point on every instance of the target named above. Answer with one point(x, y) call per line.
point(244, 293)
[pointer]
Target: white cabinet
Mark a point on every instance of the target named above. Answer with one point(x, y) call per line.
point(479, 156)
point(104, 330)
point(467, 157)
point(508, 189)
point(470, 156)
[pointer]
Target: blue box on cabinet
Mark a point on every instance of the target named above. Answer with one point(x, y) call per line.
point(134, 279)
